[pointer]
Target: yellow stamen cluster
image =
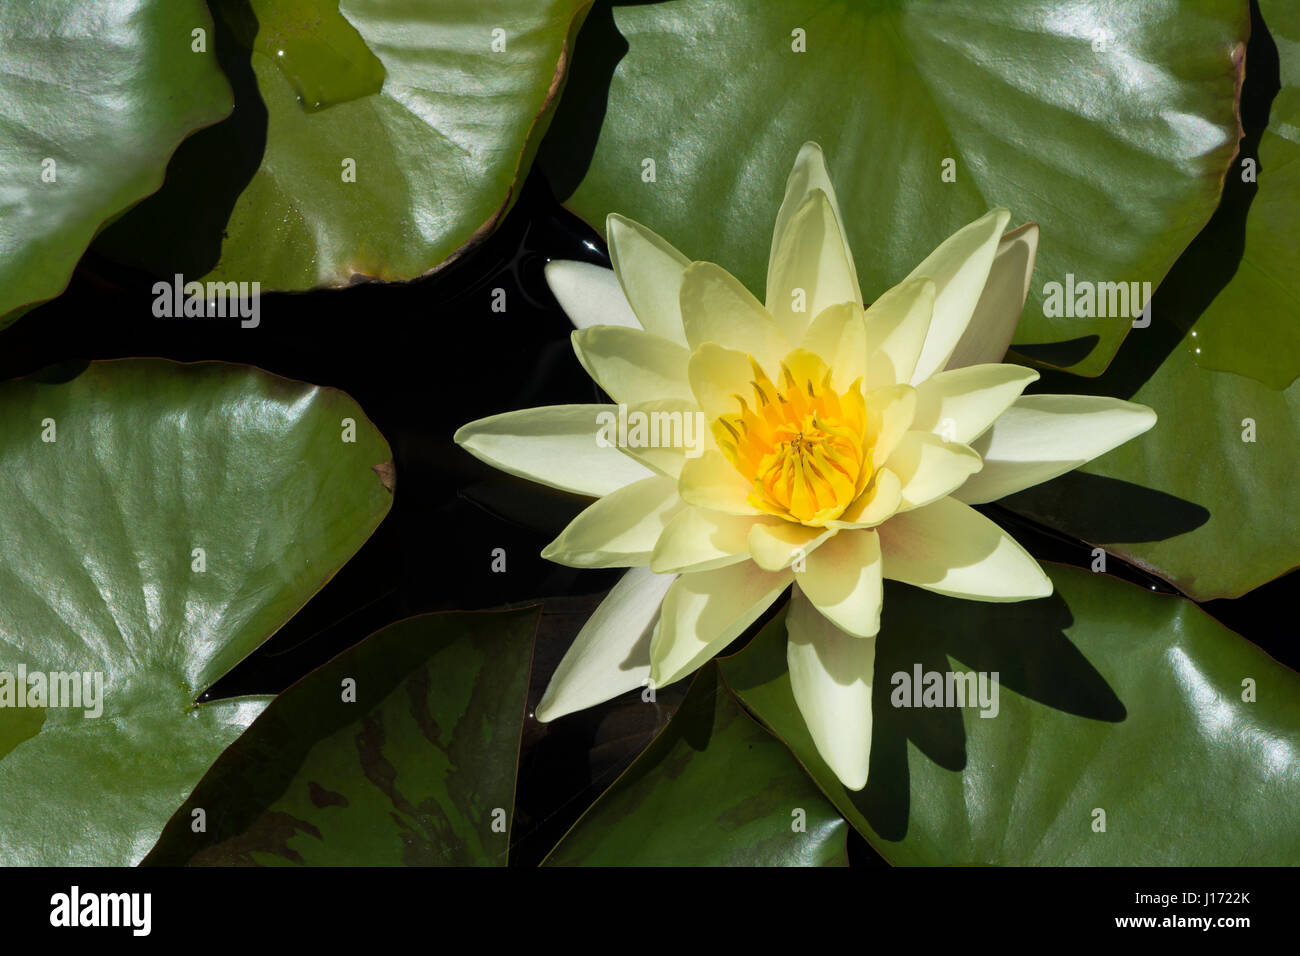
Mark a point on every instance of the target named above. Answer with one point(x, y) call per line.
point(802, 445)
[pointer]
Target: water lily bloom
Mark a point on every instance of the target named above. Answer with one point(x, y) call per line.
point(838, 445)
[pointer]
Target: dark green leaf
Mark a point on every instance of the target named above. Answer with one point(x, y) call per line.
point(1110, 125)
point(1111, 699)
point(95, 98)
point(713, 789)
point(418, 770)
point(109, 483)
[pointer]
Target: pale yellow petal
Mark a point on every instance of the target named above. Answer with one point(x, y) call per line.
point(831, 676)
point(959, 268)
point(717, 308)
point(705, 611)
point(930, 468)
point(843, 579)
point(632, 365)
point(650, 271)
point(961, 404)
point(952, 549)
point(993, 324)
point(621, 529)
point(838, 335)
point(611, 654)
point(810, 268)
point(1042, 436)
point(556, 445)
point(697, 539)
point(774, 545)
point(711, 481)
point(896, 327)
point(878, 501)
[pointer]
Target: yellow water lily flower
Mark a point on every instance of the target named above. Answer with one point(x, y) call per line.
point(808, 441)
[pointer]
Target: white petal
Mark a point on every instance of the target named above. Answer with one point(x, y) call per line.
point(843, 579)
point(589, 294)
point(952, 549)
point(831, 674)
point(554, 445)
point(961, 404)
point(632, 365)
point(810, 268)
point(621, 529)
point(707, 610)
point(650, 270)
point(611, 654)
point(1042, 436)
point(993, 324)
point(959, 268)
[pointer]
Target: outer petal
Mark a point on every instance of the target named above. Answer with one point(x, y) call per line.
point(838, 335)
point(611, 654)
point(810, 264)
point(707, 610)
point(695, 437)
point(959, 268)
point(697, 539)
point(809, 173)
point(621, 529)
point(930, 468)
point(650, 270)
point(897, 325)
point(1042, 436)
point(717, 308)
point(589, 294)
point(961, 404)
point(555, 445)
point(632, 365)
point(843, 580)
point(711, 481)
point(952, 549)
point(992, 326)
point(831, 674)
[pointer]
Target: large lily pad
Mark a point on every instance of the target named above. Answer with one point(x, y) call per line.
point(418, 768)
point(1111, 699)
point(437, 106)
point(95, 98)
point(1111, 125)
point(1253, 324)
point(714, 789)
point(108, 485)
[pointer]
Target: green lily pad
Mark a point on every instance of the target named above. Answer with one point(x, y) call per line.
point(160, 522)
point(96, 97)
point(714, 789)
point(1253, 325)
point(1117, 709)
point(418, 768)
point(1111, 126)
point(370, 140)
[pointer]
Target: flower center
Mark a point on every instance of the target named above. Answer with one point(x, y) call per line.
point(802, 446)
